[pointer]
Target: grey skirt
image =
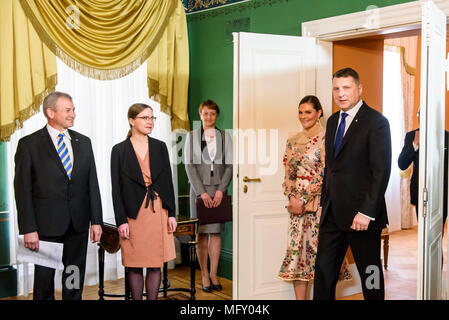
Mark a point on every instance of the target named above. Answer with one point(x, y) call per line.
point(204, 228)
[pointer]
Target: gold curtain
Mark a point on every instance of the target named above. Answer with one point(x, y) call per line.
point(27, 69)
point(168, 70)
point(101, 39)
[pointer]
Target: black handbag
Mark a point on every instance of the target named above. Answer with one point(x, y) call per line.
point(220, 214)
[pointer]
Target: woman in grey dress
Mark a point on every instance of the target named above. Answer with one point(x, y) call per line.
point(208, 163)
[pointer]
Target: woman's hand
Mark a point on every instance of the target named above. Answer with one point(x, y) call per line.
point(208, 202)
point(172, 224)
point(295, 206)
point(217, 198)
point(123, 231)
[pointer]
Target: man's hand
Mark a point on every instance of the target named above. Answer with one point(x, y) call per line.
point(360, 222)
point(31, 241)
point(416, 139)
point(217, 198)
point(295, 206)
point(95, 233)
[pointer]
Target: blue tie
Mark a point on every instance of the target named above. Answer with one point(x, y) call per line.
point(340, 133)
point(63, 153)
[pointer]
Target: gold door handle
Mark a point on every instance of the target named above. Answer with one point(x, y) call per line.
point(246, 179)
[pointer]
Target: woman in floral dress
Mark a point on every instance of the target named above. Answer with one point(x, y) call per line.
point(304, 164)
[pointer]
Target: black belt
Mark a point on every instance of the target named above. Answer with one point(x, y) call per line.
point(151, 195)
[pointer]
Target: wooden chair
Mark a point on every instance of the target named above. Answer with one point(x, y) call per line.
point(185, 229)
point(385, 237)
point(110, 242)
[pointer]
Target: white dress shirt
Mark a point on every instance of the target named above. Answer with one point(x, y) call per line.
point(67, 139)
point(351, 115)
point(212, 149)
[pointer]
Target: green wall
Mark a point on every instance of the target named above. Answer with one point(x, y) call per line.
point(8, 274)
point(211, 54)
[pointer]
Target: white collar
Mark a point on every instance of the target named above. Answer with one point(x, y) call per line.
point(353, 111)
point(54, 132)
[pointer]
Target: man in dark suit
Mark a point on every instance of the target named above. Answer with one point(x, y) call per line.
point(353, 209)
point(409, 155)
point(57, 196)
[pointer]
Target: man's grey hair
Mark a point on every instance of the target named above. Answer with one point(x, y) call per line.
point(51, 99)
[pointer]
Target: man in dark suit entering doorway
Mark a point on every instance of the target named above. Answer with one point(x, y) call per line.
point(410, 154)
point(57, 196)
point(357, 170)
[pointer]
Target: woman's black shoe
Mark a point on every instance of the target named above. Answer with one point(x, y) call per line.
point(207, 289)
point(216, 287)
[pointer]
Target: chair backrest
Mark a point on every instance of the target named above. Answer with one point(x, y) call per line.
point(110, 239)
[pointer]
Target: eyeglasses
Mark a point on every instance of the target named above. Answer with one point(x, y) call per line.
point(152, 119)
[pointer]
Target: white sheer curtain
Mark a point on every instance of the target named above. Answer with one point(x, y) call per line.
point(101, 114)
point(393, 110)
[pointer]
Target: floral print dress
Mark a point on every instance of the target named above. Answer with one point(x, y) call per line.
point(304, 169)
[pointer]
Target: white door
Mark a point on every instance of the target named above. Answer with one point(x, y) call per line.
point(431, 154)
point(271, 74)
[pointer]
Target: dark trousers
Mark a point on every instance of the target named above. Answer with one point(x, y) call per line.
point(74, 260)
point(332, 246)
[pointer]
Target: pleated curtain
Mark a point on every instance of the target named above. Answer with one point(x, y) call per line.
point(101, 39)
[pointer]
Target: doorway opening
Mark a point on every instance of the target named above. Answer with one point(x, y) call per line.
point(389, 67)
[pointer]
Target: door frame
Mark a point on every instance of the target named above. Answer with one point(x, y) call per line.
point(386, 20)
point(391, 19)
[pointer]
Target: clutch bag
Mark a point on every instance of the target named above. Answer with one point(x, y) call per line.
point(312, 205)
point(220, 214)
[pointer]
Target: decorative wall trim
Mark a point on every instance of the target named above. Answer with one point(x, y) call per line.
point(225, 10)
point(194, 6)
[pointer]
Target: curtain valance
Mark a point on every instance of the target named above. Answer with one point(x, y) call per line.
point(101, 39)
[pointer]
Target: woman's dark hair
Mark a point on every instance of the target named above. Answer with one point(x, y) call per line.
point(210, 105)
point(133, 111)
point(315, 103)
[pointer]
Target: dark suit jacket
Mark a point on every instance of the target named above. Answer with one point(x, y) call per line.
point(45, 197)
point(409, 156)
point(356, 179)
point(128, 186)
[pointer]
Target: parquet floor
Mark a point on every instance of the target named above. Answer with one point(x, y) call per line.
point(400, 277)
point(178, 277)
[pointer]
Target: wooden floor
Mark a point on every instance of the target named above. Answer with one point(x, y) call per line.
point(400, 277)
point(401, 274)
point(178, 277)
